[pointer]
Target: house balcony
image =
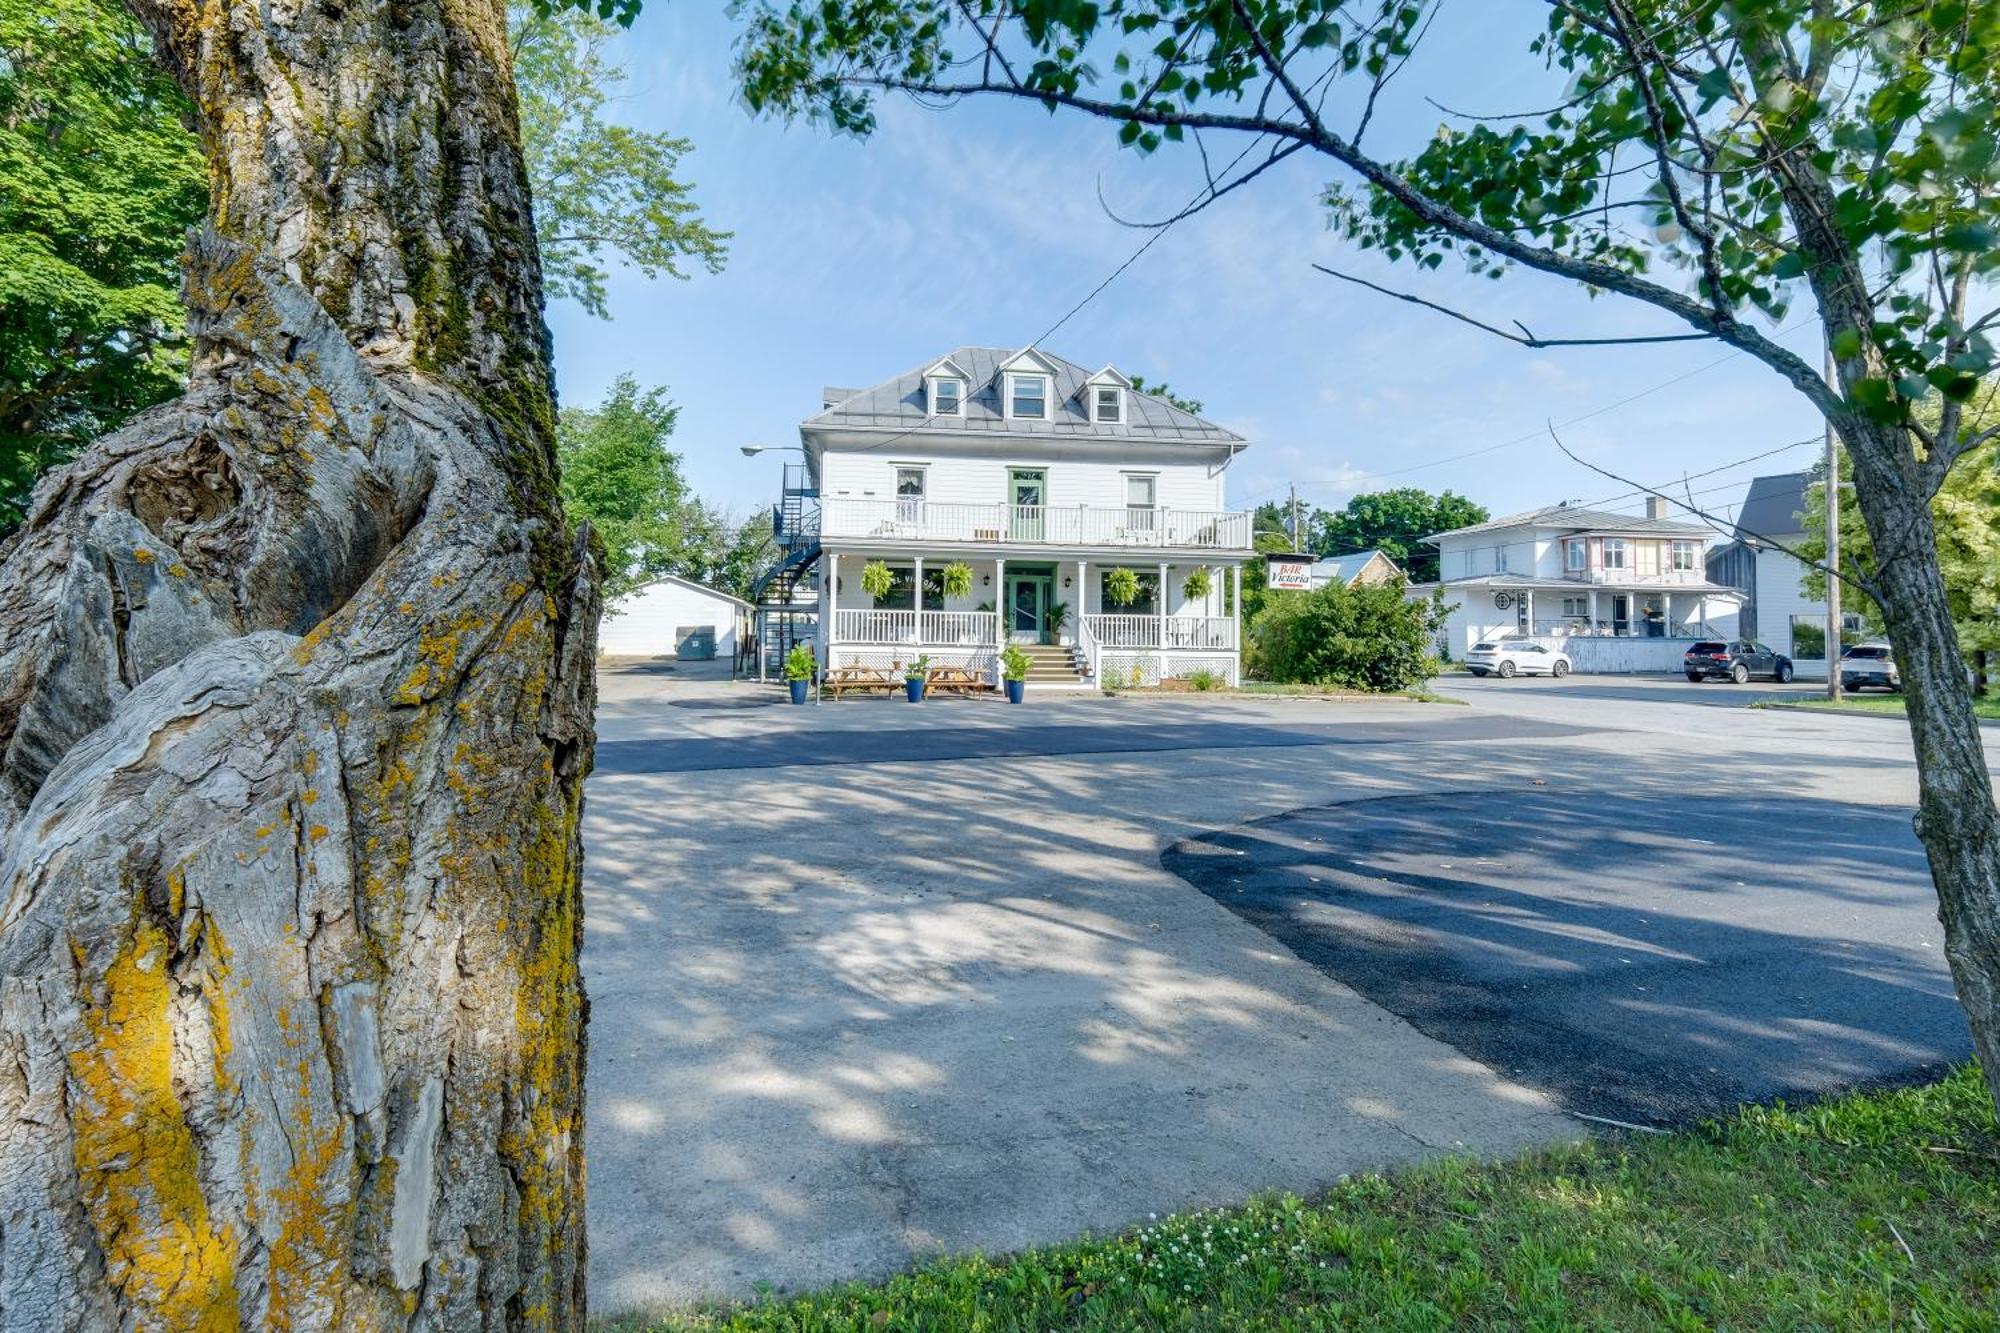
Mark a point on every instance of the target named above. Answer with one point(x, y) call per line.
point(1000, 524)
point(1627, 578)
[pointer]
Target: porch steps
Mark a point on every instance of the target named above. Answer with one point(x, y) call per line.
point(1053, 664)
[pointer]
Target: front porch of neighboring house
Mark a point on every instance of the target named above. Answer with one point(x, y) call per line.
point(1034, 599)
point(1612, 628)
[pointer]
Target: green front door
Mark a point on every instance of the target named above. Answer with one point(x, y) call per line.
point(1028, 598)
point(1027, 498)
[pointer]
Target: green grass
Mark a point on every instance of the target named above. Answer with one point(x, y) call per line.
point(1987, 707)
point(1776, 1218)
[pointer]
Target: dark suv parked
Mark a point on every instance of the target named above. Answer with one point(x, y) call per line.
point(1715, 660)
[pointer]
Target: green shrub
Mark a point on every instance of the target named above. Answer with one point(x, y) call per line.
point(799, 663)
point(1203, 679)
point(1013, 662)
point(1369, 637)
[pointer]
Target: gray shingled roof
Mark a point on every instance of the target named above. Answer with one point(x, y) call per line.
point(1775, 506)
point(1345, 567)
point(898, 404)
point(1576, 519)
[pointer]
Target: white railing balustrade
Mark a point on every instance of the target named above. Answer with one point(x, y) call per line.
point(1210, 633)
point(1049, 525)
point(961, 629)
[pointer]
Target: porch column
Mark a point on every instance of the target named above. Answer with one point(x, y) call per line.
point(999, 601)
point(1667, 615)
point(1076, 611)
point(1236, 613)
point(1160, 608)
point(827, 630)
point(1593, 610)
point(1528, 602)
point(917, 598)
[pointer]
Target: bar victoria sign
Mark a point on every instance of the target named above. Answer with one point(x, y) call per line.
point(1292, 571)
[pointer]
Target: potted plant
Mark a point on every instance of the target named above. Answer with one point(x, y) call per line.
point(914, 676)
point(876, 580)
point(957, 579)
point(1196, 585)
point(1121, 586)
point(799, 667)
point(1014, 665)
point(1058, 616)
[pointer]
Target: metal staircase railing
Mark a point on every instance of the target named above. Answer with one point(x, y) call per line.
point(795, 523)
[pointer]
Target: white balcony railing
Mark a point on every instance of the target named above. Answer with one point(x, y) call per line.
point(1629, 577)
point(1211, 633)
point(1049, 525)
point(969, 629)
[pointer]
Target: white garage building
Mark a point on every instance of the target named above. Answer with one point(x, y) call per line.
point(673, 617)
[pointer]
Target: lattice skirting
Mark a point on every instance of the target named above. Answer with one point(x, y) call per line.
point(979, 661)
point(1117, 668)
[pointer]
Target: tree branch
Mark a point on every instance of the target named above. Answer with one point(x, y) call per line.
point(1526, 336)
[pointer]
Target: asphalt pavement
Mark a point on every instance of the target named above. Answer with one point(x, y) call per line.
point(1653, 959)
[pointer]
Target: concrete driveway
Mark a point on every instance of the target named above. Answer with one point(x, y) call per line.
point(873, 980)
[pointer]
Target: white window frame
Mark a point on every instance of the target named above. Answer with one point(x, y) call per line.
point(957, 408)
point(1614, 553)
point(1015, 379)
point(910, 508)
point(1111, 396)
point(1576, 555)
point(1691, 549)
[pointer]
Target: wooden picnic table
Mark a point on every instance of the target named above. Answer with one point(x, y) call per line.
point(957, 678)
point(863, 678)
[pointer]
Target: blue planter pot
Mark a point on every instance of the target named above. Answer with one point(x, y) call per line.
point(1015, 690)
point(915, 689)
point(799, 690)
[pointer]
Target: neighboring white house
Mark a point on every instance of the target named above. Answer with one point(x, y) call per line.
point(1617, 592)
point(673, 617)
point(1041, 477)
point(1777, 609)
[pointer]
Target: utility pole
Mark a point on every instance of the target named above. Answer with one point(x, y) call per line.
point(1832, 548)
point(1298, 539)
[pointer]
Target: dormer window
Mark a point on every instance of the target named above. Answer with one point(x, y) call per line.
point(1028, 397)
point(1107, 404)
point(947, 397)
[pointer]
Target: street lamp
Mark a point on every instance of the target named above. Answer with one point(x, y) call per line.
point(752, 450)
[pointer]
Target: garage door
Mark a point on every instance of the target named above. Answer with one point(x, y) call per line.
point(695, 642)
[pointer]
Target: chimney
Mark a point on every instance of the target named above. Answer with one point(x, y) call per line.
point(1656, 506)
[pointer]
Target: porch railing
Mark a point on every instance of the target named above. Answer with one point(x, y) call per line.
point(1584, 627)
point(969, 629)
point(1210, 633)
point(1052, 525)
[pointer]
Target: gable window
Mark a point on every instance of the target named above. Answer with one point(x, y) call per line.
point(1614, 553)
point(1028, 397)
point(946, 399)
point(1110, 404)
point(1575, 555)
point(1684, 555)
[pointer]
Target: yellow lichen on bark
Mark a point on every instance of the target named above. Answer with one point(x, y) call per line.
point(307, 1264)
point(135, 1156)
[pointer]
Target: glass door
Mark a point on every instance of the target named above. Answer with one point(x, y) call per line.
point(1027, 496)
point(1028, 607)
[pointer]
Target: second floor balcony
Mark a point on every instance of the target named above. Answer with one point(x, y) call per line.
point(1001, 524)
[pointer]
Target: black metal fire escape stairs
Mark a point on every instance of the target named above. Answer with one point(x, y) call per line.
point(785, 620)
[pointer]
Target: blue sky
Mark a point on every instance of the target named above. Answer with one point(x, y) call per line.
point(853, 261)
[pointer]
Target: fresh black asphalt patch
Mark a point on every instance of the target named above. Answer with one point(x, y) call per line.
point(944, 743)
point(1642, 959)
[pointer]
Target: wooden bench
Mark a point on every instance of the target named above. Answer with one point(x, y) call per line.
point(953, 678)
point(863, 678)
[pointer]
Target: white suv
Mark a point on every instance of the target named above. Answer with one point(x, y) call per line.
point(1515, 657)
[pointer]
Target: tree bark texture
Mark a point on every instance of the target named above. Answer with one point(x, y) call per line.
point(295, 711)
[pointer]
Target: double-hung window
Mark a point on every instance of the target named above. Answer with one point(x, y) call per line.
point(945, 400)
point(1141, 498)
point(1028, 397)
point(1614, 553)
point(1684, 555)
point(1110, 405)
point(1576, 555)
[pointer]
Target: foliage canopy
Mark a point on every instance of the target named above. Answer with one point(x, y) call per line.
point(1364, 637)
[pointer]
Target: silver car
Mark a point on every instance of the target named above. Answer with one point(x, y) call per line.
point(1515, 657)
point(1869, 664)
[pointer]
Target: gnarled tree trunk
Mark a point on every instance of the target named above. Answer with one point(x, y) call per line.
point(295, 710)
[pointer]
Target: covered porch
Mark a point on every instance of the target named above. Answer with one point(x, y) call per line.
point(1153, 609)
